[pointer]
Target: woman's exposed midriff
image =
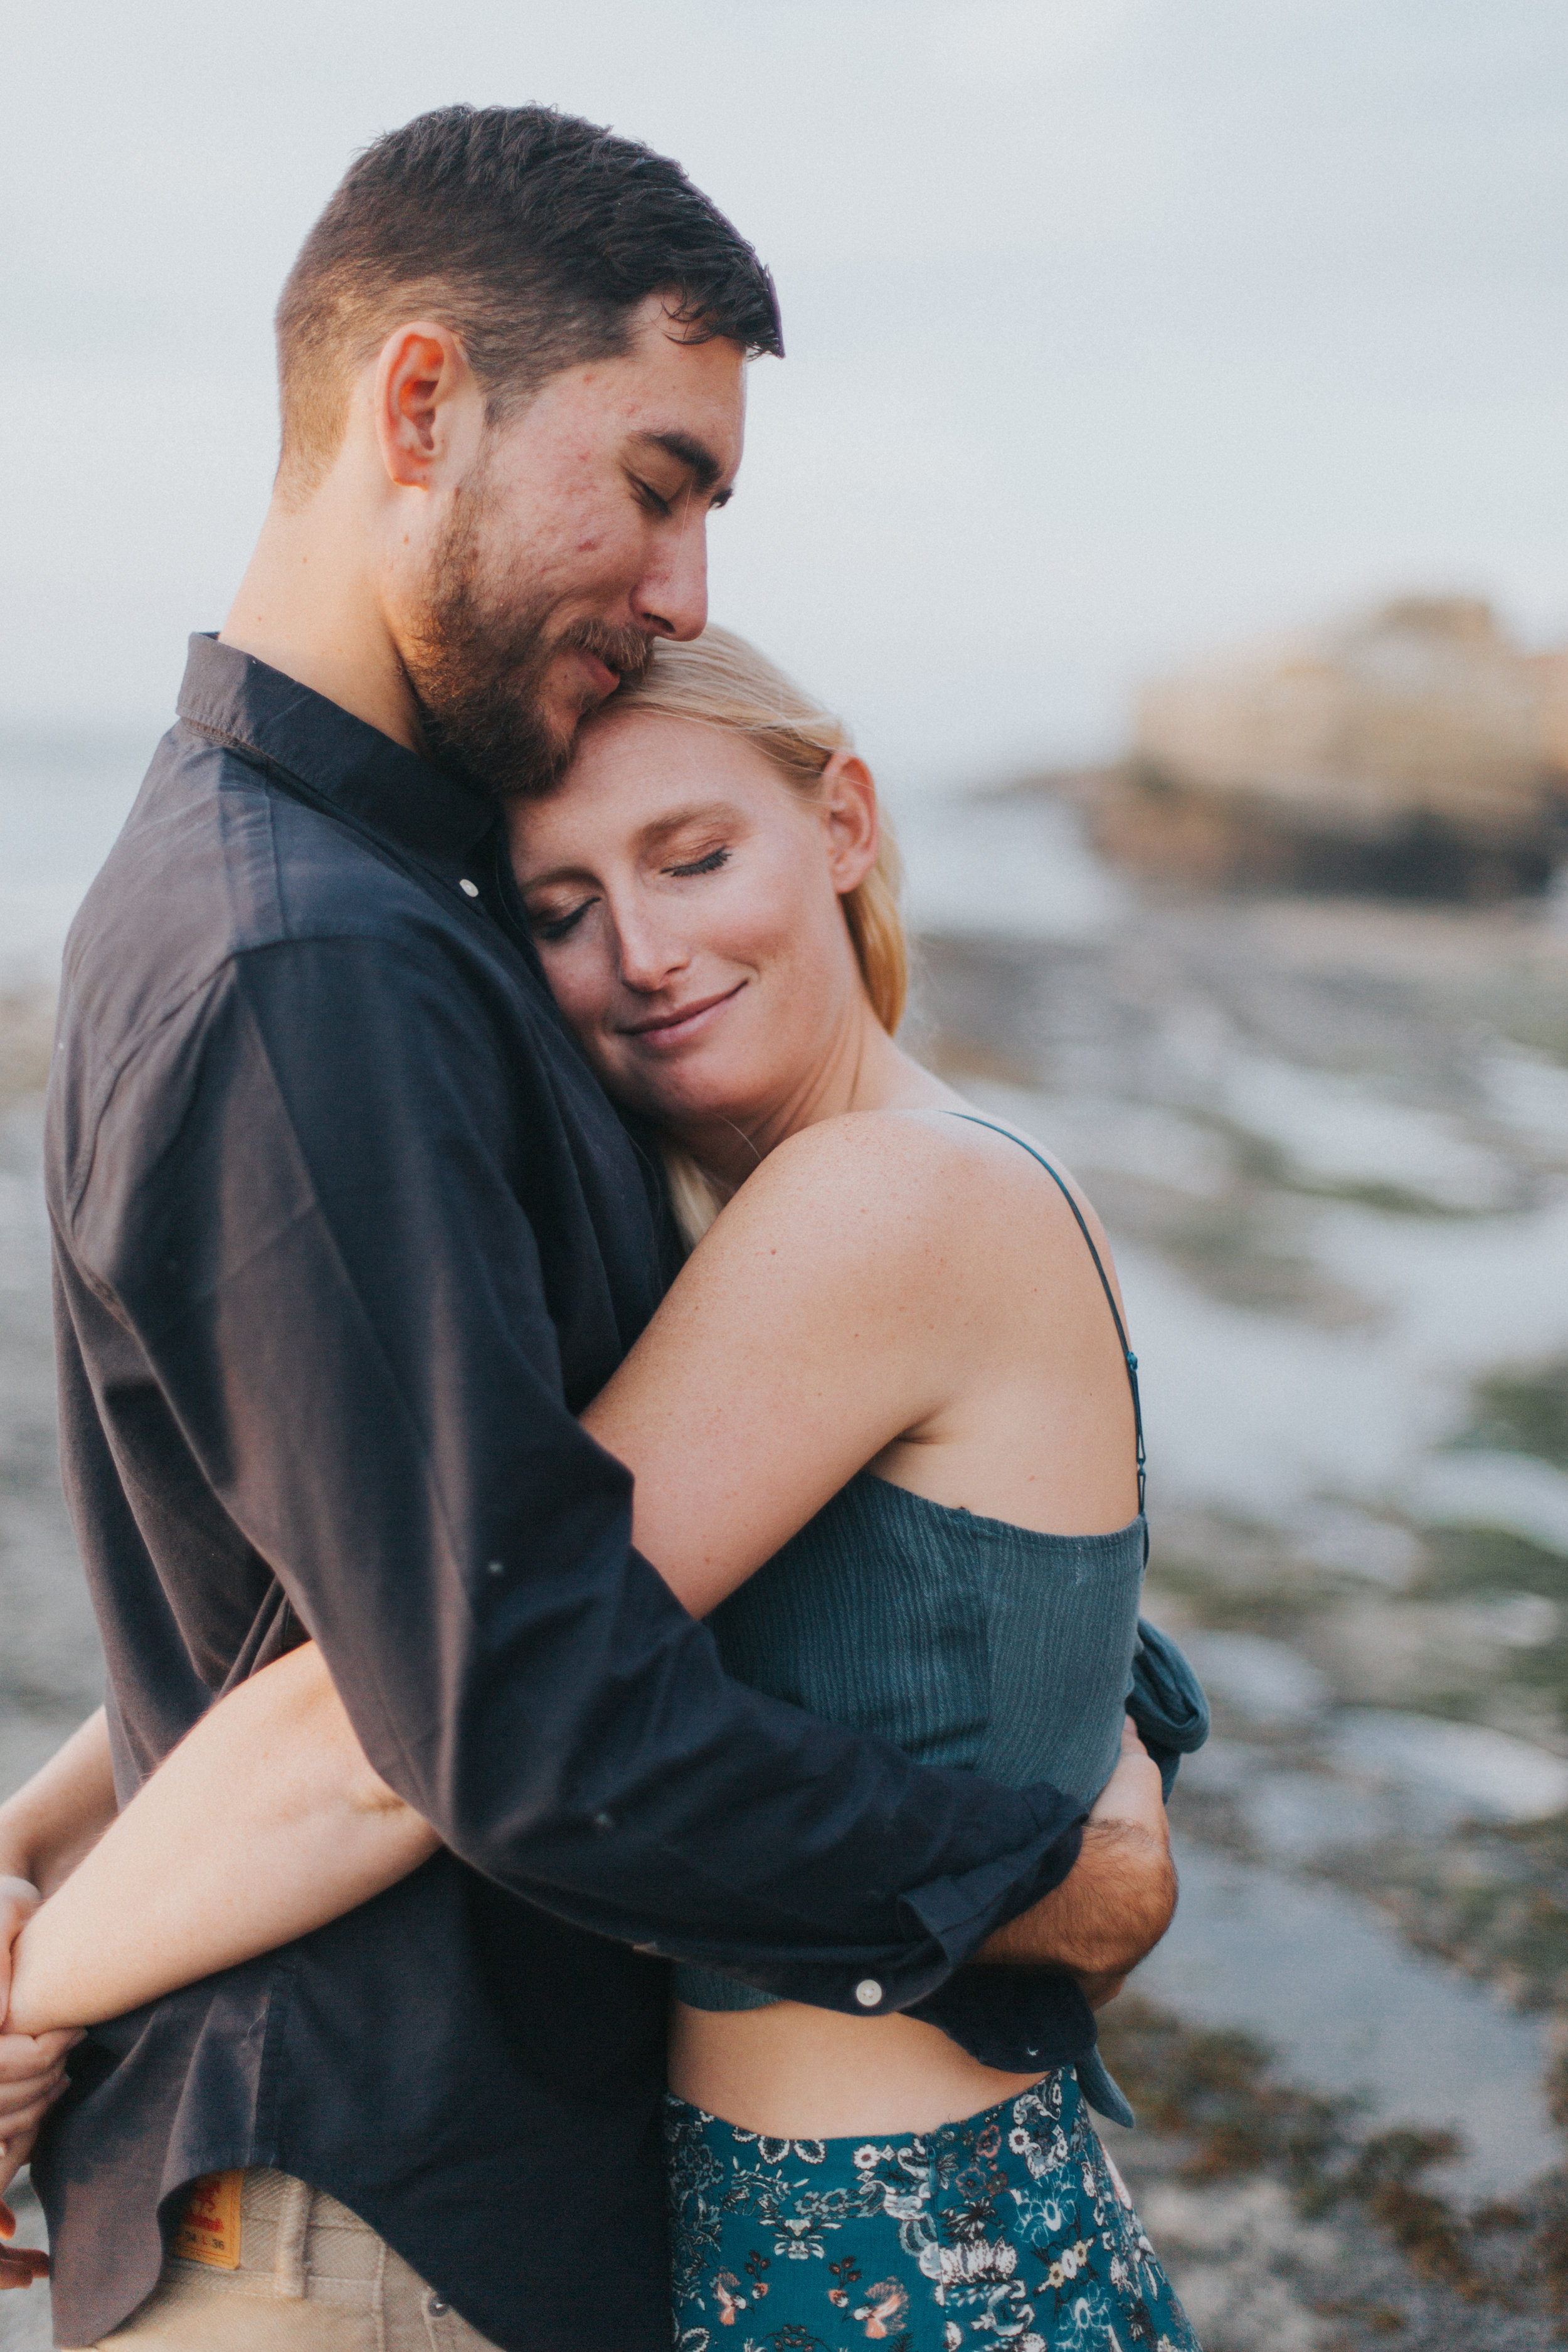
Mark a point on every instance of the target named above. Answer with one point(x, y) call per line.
point(799, 2073)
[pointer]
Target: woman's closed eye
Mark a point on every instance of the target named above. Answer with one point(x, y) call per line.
point(553, 923)
point(708, 863)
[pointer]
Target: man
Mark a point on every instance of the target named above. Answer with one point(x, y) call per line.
point(344, 1236)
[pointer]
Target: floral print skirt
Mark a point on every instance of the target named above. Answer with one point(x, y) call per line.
point(1009, 2229)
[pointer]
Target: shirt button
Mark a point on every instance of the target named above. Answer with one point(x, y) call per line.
point(867, 1992)
point(437, 2307)
point(471, 890)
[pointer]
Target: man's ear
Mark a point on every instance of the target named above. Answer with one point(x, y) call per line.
point(422, 385)
point(848, 803)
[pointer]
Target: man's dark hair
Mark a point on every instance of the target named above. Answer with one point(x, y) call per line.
point(531, 235)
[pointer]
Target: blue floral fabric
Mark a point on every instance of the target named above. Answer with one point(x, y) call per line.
point(1009, 2229)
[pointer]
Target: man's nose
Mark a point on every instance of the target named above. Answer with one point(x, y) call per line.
point(671, 598)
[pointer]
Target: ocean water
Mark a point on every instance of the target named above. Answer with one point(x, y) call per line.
point(62, 801)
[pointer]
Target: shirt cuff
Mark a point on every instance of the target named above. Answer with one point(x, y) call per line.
point(1023, 2021)
point(946, 1922)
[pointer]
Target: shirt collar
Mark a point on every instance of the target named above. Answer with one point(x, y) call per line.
point(347, 761)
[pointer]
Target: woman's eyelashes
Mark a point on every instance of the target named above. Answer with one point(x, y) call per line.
point(553, 927)
point(708, 863)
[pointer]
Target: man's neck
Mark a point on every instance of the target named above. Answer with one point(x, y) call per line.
point(308, 608)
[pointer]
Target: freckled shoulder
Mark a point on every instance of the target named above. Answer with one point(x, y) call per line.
point(893, 1184)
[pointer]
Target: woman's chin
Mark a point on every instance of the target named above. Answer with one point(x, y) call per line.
point(686, 1095)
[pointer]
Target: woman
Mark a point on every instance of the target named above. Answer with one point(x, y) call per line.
point(917, 1507)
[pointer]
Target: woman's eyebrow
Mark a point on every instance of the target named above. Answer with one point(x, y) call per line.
point(664, 829)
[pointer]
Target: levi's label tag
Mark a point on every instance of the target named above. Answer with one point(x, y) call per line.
point(209, 2228)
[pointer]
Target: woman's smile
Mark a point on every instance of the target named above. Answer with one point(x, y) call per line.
point(662, 1033)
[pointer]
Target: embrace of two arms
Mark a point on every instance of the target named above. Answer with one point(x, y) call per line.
point(143, 1900)
point(312, 1831)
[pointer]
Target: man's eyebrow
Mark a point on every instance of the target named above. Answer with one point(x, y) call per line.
point(695, 456)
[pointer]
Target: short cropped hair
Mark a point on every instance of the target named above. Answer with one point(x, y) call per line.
point(531, 235)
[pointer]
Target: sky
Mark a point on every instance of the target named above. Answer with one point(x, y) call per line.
point(1119, 330)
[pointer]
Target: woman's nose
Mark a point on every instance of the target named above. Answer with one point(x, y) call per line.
point(650, 957)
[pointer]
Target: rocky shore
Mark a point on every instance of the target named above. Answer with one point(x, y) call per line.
point(1415, 751)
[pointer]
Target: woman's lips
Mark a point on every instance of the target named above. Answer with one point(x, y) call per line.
point(668, 1030)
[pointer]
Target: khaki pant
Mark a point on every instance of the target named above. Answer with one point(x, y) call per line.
point(288, 2269)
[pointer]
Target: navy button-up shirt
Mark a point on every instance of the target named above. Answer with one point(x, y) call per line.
point(345, 1236)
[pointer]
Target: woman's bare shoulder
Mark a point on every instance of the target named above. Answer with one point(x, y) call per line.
point(872, 1188)
point(883, 1167)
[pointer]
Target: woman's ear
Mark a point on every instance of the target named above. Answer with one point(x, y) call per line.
point(848, 803)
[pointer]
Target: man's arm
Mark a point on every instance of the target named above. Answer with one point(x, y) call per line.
point(310, 1831)
point(1118, 1897)
point(309, 1210)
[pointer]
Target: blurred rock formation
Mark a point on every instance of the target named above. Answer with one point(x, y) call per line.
point(1415, 752)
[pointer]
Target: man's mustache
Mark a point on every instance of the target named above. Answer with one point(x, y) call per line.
point(628, 651)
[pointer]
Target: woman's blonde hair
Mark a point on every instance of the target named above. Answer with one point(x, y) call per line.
point(719, 681)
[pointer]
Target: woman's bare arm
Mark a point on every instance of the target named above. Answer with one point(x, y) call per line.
point(310, 1831)
point(45, 1829)
point(847, 1292)
point(62, 1812)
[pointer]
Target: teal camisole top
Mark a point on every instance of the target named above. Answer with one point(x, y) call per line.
point(965, 1641)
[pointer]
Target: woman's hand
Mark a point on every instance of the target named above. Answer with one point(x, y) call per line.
point(32, 2076)
point(19, 2265)
point(32, 2066)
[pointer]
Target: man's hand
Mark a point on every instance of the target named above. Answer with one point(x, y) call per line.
point(1134, 1793)
point(1100, 1990)
point(32, 2076)
point(1118, 1899)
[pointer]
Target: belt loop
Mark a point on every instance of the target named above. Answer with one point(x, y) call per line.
point(290, 2269)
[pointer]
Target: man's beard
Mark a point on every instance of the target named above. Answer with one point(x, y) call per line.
point(477, 667)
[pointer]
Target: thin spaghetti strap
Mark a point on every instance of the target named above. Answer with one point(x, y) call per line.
point(1128, 1358)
